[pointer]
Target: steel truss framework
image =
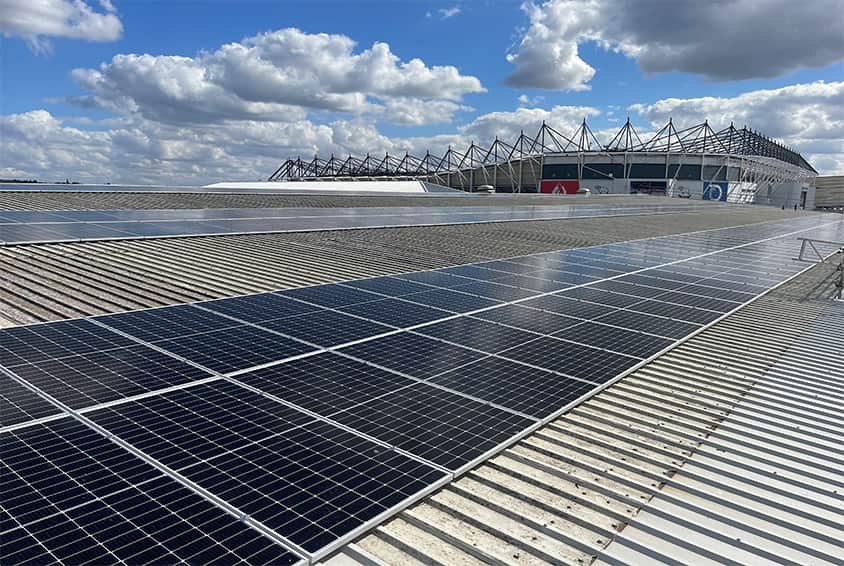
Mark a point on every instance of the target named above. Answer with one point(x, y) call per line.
point(759, 158)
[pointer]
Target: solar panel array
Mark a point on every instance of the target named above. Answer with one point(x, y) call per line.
point(27, 226)
point(274, 427)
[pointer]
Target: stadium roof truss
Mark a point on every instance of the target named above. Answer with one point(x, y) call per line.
point(759, 158)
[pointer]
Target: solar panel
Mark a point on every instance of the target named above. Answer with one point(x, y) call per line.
point(78, 498)
point(575, 360)
point(310, 481)
point(619, 340)
point(235, 348)
point(396, 312)
point(495, 291)
point(390, 286)
point(533, 283)
point(264, 306)
point(600, 297)
point(518, 387)
point(326, 328)
point(333, 296)
point(19, 405)
point(686, 299)
point(646, 323)
point(478, 334)
point(560, 304)
point(442, 427)
point(37, 342)
point(436, 277)
point(451, 300)
point(325, 383)
point(412, 354)
point(538, 321)
point(166, 322)
point(98, 377)
point(679, 312)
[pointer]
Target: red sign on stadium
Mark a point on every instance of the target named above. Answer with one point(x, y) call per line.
point(557, 187)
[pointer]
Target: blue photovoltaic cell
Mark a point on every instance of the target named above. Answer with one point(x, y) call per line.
point(235, 348)
point(264, 306)
point(333, 296)
point(619, 340)
point(495, 291)
point(326, 328)
point(412, 354)
point(97, 377)
point(478, 334)
point(600, 297)
point(451, 300)
point(167, 322)
point(653, 325)
point(532, 283)
point(78, 498)
point(522, 388)
point(18, 404)
point(37, 342)
point(535, 320)
point(437, 278)
point(575, 360)
point(679, 312)
point(437, 425)
point(308, 480)
point(397, 312)
point(325, 383)
point(559, 304)
point(390, 286)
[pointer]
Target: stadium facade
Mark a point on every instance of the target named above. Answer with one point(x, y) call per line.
point(696, 162)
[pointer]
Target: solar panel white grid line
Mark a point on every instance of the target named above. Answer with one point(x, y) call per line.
point(94, 498)
point(184, 481)
point(584, 397)
point(222, 503)
point(64, 512)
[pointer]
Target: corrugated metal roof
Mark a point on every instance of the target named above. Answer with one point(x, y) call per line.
point(711, 453)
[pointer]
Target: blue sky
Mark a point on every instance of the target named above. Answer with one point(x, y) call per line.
point(78, 77)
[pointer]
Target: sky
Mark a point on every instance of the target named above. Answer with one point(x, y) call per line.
point(193, 92)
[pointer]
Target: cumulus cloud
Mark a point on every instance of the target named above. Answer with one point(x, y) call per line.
point(808, 117)
point(38, 20)
point(133, 149)
point(278, 76)
point(721, 40)
point(136, 150)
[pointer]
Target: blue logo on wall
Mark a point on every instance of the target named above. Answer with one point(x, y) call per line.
point(714, 191)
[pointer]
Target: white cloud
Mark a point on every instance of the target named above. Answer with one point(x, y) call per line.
point(808, 117)
point(38, 20)
point(39, 145)
point(446, 13)
point(277, 76)
point(724, 40)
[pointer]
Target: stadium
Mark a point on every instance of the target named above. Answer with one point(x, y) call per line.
point(695, 162)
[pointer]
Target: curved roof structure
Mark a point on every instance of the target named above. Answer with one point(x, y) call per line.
point(700, 139)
